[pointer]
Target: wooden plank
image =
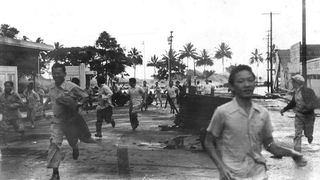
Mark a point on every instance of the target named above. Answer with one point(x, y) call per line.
point(123, 162)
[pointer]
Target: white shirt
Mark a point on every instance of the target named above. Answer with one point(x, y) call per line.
point(172, 91)
point(207, 89)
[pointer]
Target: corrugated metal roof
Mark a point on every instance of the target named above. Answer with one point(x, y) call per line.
point(25, 44)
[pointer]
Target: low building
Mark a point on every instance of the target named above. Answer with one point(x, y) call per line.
point(16, 55)
point(288, 64)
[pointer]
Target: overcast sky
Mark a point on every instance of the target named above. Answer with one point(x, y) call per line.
point(205, 23)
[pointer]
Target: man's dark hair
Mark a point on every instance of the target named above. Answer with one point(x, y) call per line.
point(132, 80)
point(237, 69)
point(58, 65)
point(101, 80)
point(8, 82)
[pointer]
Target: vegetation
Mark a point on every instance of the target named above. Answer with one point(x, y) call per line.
point(7, 31)
point(189, 51)
point(107, 57)
point(204, 60)
point(256, 58)
point(154, 63)
point(135, 58)
point(223, 51)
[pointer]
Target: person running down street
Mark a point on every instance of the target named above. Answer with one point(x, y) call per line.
point(239, 129)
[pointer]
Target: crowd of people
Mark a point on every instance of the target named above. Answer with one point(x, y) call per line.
point(235, 135)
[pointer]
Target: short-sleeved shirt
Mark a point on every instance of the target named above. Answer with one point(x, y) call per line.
point(146, 89)
point(172, 91)
point(12, 98)
point(136, 94)
point(240, 137)
point(32, 98)
point(104, 97)
point(157, 89)
point(207, 89)
point(199, 87)
point(66, 87)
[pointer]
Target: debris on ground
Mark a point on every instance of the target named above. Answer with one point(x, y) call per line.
point(168, 127)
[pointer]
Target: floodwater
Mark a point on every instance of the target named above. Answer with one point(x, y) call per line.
point(148, 153)
point(283, 126)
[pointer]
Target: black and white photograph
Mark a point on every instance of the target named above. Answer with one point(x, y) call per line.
point(159, 90)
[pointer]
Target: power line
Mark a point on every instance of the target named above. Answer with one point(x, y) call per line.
point(271, 49)
point(170, 54)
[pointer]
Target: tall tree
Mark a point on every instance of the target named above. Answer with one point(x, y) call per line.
point(177, 68)
point(106, 42)
point(135, 58)
point(110, 59)
point(204, 59)
point(223, 51)
point(256, 58)
point(153, 62)
point(57, 45)
point(189, 51)
point(39, 40)
point(25, 38)
point(7, 31)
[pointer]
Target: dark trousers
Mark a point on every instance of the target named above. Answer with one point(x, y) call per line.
point(303, 123)
point(103, 115)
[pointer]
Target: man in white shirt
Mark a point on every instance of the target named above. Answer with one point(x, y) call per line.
point(137, 99)
point(172, 93)
point(239, 129)
point(104, 107)
point(207, 88)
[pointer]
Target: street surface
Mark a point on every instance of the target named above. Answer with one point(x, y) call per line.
point(148, 152)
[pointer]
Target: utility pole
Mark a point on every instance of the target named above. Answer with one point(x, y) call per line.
point(144, 59)
point(170, 54)
point(268, 70)
point(303, 45)
point(271, 54)
point(271, 50)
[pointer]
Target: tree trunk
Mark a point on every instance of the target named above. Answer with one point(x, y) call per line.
point(222, 64)
point(134, 70)
point(194, 71)
point(187, 63)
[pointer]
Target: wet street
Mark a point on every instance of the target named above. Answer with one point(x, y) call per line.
point(148, 152)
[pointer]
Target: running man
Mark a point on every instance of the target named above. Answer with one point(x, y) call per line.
point(137, 99)
point(239, 129)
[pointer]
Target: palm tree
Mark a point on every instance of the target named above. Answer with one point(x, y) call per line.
point(204, 59)
point(189, 51)
point(153, 62)
point(135, 57)
point(39, 40)
point(25, 38)
point(256, 57)
point(223, 51)
point(57, 45)
point(173, 57)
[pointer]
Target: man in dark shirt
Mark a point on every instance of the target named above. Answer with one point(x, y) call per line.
point(303, 103)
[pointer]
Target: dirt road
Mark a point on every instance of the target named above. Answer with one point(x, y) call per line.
point(147, 153)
